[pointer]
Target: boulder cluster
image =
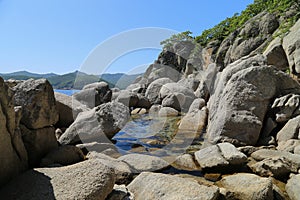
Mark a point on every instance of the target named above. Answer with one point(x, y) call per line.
point(238, 107)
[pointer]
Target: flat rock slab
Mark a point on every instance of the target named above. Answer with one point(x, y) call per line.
point(292, 187)
point(219, 157)
point(247, 186)
point(144, 163)
point(148, 186)
point(86, 180)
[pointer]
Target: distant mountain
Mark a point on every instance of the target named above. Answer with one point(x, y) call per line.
point(75, 80)
point(25, 75)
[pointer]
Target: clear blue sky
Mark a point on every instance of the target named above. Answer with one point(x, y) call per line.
point(57, 35)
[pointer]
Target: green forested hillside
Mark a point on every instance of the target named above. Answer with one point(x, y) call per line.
point(220, 31)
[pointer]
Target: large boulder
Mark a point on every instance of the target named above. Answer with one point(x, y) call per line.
point(97, 125)
point(220, 157)
point(152, 92)
point(292, 48)
point(148, 186)
point(94, 94)
point(162, 71)
point(128, 98)
point(247, 187)
point(292, 187)
point(38, 142)
point(86, 180)
point(13, 156)
point(276, 55)
point(241, 100)
point(190, 82)
point(68, 109)
point(38, 102)
point(176, 88)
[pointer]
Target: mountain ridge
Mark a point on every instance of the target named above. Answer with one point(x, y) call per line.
point(74, 80)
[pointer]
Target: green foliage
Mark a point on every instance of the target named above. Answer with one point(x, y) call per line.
point(227, 26)
point(184, 36)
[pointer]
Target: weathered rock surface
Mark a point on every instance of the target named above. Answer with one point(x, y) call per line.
point(276, 55)
point(220, 157)
point(123, 171)
point(94, 94)
point(250, 39)
point(160, 186)
point(245, 186)
point(292, 187)
point(152, 92)
point(278, 168)
point(38, 143)
point(38, 102)
point(86, 180)
point(97, 124)
point(68, 109)
point(63, 155)
point(197, 105)
point(13, 156)
point(241, 99)
point(176, 88)
point(144, 163)
point(286, 107)
point(128, 98)
point(292, 161)
point(189, 82)
point(173, 101)
point(290, 145)
point(289, 131)
point(291, 46)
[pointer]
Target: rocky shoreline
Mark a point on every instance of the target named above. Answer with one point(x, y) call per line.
point(239, 112)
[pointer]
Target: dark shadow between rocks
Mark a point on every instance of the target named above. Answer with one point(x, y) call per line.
point(31, 185)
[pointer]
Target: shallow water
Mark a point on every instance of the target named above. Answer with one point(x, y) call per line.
point(67, 92)
point(146, 131)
